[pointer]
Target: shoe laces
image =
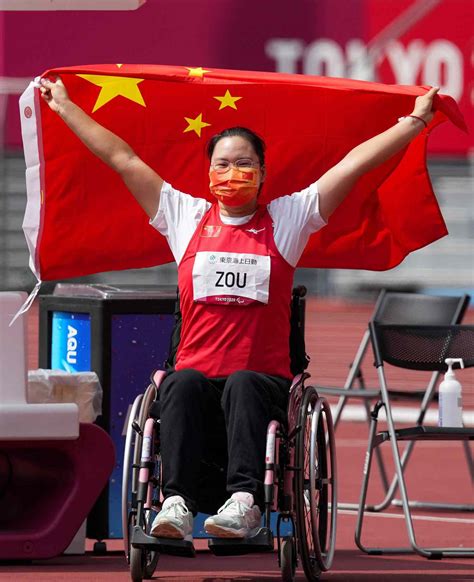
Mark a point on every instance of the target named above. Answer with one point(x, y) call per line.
point(178, 508)
point(234, 507)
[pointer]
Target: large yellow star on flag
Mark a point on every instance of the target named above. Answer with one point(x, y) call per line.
point(197, 71)
point(111, 87)
point(196, 124)
point(227, 100)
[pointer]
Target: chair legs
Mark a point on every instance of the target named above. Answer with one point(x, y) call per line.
point(469, 459)
point(392, 489)
point(374, 442)
point(356, 374)
point(424, 504)
point(389, 492)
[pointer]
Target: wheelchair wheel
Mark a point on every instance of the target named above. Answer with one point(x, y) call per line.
point(288, 559)
point(142, 562)
point(129, 473)
point(136, 564)
point(323, 484)
point(315, 485)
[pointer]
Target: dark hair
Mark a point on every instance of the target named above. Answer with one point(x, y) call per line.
point(257, 142)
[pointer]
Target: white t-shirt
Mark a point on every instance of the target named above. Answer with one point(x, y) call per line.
point(295, 218)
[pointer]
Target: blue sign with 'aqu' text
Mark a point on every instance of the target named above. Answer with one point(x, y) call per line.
point(71, 342)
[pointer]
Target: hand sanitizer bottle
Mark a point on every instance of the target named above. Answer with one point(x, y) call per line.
point(450, 401)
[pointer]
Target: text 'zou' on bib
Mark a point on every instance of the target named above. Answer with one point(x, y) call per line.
point(225, 278)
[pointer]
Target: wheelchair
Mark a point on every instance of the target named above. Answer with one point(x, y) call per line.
point(300, 485)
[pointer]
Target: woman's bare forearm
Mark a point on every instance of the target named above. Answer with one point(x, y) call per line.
point(337, 182)
point(377, 150)
point(107, 146)
point(142, 181)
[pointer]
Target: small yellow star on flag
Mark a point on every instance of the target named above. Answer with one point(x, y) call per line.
point(111, 87)
point(227, 100)
point(197, 71)
point(196, 124)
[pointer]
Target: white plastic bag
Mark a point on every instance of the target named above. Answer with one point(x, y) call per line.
point(83, 388)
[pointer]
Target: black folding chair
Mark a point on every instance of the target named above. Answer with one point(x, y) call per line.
point(416, 348)
point(408, 309)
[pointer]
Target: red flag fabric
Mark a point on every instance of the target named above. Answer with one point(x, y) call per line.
point(81, 219)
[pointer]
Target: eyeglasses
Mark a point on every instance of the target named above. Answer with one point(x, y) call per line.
point(222, 166)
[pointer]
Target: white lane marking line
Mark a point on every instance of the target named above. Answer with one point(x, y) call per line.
point(401, 516)
point(354, 443)
point(400, 414)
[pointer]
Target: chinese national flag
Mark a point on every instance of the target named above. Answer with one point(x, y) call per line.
point(81, 219)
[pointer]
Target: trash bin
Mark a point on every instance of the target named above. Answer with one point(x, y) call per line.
point(122, 334)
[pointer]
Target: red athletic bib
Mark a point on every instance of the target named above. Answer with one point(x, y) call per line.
point(235, 291)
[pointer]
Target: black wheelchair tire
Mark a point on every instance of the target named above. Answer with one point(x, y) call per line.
point(137, 564)
point(128, 475)
point(150, 566)
point(322, 524)
point(288, 559)
point(142, 564)
point(151, 557)
point(323, 477)
point(306, 545)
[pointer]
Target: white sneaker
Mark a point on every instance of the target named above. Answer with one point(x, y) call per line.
point(235, 519)
point(174, 520)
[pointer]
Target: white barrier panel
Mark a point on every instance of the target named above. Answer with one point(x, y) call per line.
point(12, 350)
point(19, 420)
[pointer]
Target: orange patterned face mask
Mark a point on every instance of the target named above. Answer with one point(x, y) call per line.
point(234, 187)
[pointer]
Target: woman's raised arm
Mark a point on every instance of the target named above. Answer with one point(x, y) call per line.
point(337, 182)
point(143, 182)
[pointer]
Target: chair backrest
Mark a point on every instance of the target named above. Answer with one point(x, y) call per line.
point(419, 309)
point(299, 359)
point(422, 347)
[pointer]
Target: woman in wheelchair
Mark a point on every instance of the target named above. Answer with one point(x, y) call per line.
point(236, 259)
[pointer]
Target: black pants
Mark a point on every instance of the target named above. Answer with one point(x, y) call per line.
point(195, 411)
